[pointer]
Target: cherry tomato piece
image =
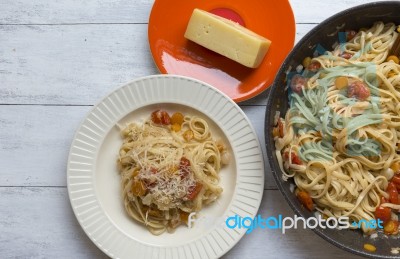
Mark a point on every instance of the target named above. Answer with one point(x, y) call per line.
point(280, 127)
point(395, 166)
point(193, 191)
point(138, 188)
point(383, 213)
point(184, 167)
point(294, 159)
point(188, 135)
point(177, 118)
point(314, 66)
point(160, 117)
point(297, 83)
point(391, 227)
point(275, 132)
point(350, 34)
point(396, 179)
point(346, 55)
point(305, 199)
point(358, 90)
point(393, 194)
point(184, 216)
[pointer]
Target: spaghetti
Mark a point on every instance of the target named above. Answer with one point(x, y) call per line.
point(169, 168)
point(340, 138)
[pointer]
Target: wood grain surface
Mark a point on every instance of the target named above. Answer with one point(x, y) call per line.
point(58, 59)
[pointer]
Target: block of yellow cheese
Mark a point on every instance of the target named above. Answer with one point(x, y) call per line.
point(227, 38)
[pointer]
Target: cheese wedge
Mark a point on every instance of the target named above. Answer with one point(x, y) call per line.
point(227, 38)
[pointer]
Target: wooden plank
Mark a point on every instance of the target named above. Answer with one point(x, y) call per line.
point(35, 141)
point(74, 11)
point(39, 223)
point(75, 64)
point(124, 11)
point(29, 232)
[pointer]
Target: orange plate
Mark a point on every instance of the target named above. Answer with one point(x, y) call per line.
point(174, 54)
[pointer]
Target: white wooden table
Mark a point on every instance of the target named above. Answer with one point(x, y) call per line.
point(58, 58)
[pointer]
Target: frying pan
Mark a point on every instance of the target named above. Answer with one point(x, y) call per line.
point(325, 35)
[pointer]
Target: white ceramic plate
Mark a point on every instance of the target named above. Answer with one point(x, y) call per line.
point(94, 182)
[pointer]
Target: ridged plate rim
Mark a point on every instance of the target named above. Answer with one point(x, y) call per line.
point(81, 175)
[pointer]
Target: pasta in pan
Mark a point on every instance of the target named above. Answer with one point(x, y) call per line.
point(169, 168)
point(340, 138)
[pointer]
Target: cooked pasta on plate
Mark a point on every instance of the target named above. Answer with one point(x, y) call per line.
point(169, 167)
